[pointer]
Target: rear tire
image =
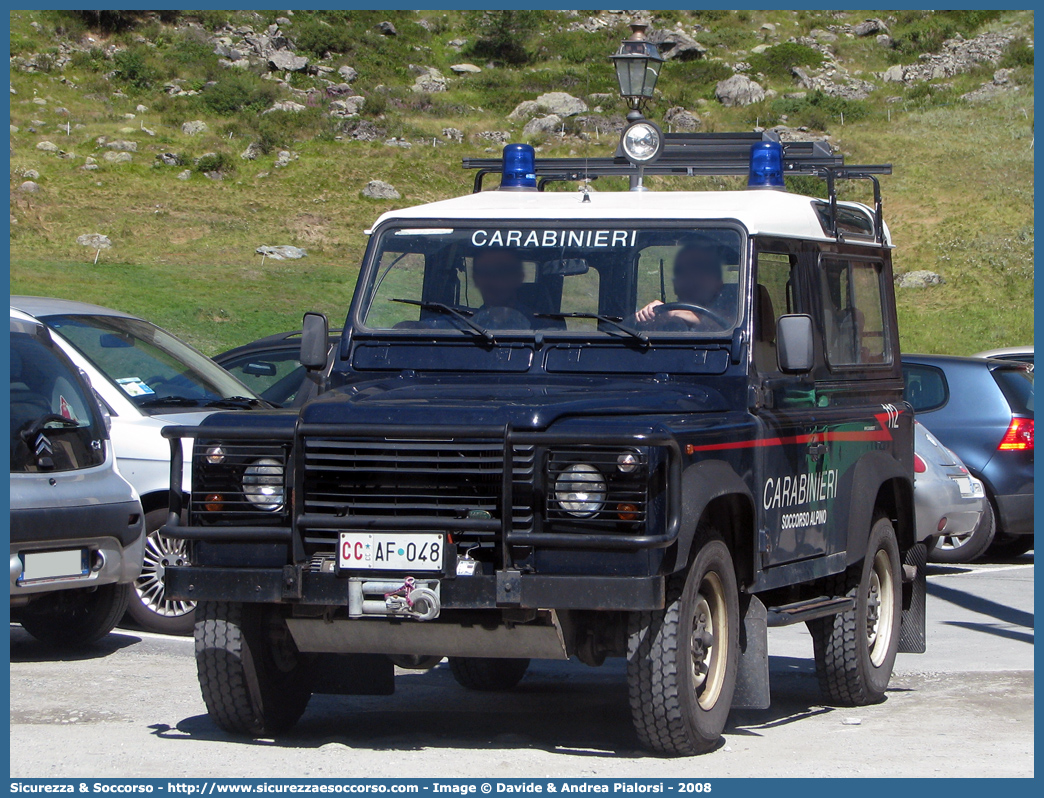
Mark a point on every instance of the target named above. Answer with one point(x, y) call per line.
point(1010, 546)
point(682, 660)
point(253, 679)
point(855, 650)
point(487, 674)
point(74, 618)
point(966, 548)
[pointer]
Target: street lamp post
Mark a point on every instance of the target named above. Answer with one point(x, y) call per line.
point(638, 63)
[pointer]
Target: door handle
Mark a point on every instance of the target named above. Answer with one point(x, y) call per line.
point(816, 450)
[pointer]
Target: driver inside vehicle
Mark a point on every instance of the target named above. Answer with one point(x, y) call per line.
point(697, 283)
point(499, 274)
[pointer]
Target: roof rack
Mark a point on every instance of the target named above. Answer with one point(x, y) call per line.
point(704, 154)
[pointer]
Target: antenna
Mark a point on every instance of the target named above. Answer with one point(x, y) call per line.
point(663, 287)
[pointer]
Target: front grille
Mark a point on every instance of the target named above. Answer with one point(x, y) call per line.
point(217, 488)
point(383, 478)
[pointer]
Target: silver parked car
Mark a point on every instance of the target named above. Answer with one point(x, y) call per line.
point(1023, 354)
point(950, 503)
point(77, 527)
point(147, 378)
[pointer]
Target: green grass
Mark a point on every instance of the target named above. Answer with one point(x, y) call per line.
point(960, 201)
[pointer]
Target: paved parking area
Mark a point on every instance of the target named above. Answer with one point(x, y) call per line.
point(131, 707)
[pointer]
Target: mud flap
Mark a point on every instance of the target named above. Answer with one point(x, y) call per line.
point(353, 674)
point(752, 678)
point(912, 630)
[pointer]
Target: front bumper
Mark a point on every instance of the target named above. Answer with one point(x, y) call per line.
point(506, 589)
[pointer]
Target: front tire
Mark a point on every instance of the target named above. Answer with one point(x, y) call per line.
point(252, 677)
point(487, 674)
point(682, 660)
point(855, 650)
point(74, 618)
point(149, 607)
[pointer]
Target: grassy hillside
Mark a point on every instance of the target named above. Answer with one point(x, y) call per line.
point(959, 203)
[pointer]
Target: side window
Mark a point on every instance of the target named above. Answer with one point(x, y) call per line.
point(400, 276)
point(853, 313)
point(924, 388)
point(773, 297)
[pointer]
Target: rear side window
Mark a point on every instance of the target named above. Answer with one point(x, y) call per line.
point(925, 388)
point(853, 313)
point(1017, 387)
point(55, 423)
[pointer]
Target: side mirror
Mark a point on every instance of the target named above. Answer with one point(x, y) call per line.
point(794, 343)
point(315, 335)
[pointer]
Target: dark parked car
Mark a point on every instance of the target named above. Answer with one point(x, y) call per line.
point(270, 367)
point(982, 409)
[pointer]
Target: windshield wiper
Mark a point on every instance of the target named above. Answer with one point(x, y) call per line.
point(52, 422)
point(612, 321)
point(238, 401)
point(449, 310)
point(169, 401)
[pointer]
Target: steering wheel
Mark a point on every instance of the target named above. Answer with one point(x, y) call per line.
point(699, 310)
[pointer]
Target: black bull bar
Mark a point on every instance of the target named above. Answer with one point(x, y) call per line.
point(508, 536)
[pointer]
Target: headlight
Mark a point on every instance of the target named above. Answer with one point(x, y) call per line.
point(263, 484)
point(580, 490)
point(642, 142)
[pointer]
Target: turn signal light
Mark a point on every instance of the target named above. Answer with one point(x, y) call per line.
point(919, 465)
point(1019, 435)
point(627, 512)
point(214, 503)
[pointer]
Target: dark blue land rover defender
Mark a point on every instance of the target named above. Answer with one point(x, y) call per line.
point(581, 424)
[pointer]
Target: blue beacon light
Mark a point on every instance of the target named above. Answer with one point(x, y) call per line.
point(766, 165)
point(519, 169)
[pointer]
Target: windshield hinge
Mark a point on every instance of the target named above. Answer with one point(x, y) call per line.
point(739, 340)
point(761, 397)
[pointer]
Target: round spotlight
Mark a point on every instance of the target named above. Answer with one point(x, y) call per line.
point(627, 462)
point(263, 484)
point(642, 142)
point(580, 490)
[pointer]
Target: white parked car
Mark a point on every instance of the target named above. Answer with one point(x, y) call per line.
point(147, 378)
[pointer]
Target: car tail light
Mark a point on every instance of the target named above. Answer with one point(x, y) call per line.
point(1019, 435)
point(919, 465)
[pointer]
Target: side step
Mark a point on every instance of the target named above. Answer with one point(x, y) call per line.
point(809, 609)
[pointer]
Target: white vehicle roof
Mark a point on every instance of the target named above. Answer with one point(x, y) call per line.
point(761, 212)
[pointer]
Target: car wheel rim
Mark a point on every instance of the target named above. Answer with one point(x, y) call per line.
point(880, 609)
point(161, 552)
point(952, 542)
point(709, 641)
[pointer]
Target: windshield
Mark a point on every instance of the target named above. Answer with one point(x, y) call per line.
point(55, 424)
point(617, 279)
point(156, 371)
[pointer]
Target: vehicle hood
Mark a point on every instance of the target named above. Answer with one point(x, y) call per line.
point(426, 403)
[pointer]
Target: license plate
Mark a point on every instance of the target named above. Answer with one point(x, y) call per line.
point(969, 488)
point(53, 565)
point(390, 551)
